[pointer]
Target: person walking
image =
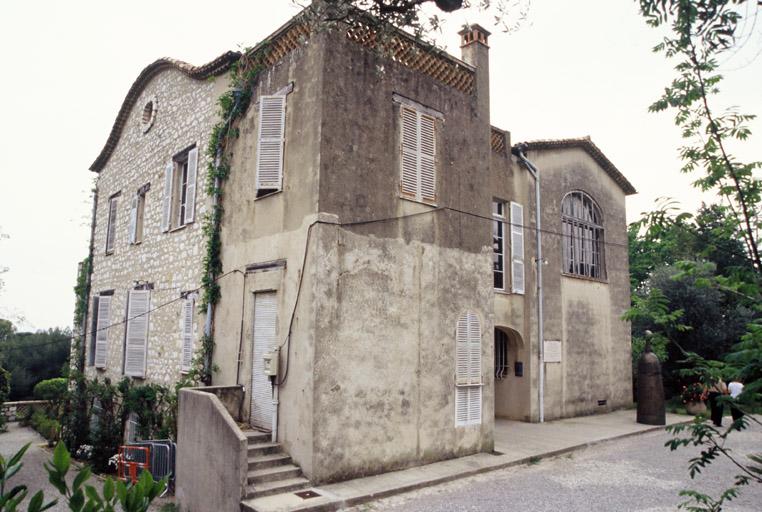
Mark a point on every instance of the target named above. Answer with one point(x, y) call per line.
point(735, 388)
point(718, 389)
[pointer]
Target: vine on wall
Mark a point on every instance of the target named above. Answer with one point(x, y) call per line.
point(233, 104)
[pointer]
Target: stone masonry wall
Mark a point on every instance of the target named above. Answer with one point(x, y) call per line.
point(185, 113)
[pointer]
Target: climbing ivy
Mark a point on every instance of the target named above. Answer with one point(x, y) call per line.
point(232, 105)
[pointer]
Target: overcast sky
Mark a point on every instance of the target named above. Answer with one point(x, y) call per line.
point(573, 69)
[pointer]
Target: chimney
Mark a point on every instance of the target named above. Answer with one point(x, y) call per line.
point(474, 50)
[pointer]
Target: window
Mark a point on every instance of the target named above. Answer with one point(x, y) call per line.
point(136, 339)
point(582, 236)
point(270, 140)
point(137, 214)
point(187, 335)
point(418, 179)
point(101, 322)
point(502, 367)
point(517, 248)
point(179, 206)
point(468, 371)
point(498, 244)
point(111, 225)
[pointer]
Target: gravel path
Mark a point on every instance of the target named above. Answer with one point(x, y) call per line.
point(632, 474)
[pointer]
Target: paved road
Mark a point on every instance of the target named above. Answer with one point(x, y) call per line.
point(631, 474)
point(33, 474)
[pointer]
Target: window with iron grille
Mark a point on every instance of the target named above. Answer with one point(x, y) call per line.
point(583, 242)
point(498, 244)
point(502, 368)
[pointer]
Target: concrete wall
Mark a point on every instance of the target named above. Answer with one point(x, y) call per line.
point(388, 294)
point(171, 261)
point(516, 397)
point(274, 227)
point(211, 456)
point(595, 340)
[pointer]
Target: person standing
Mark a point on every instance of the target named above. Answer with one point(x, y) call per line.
point(718, 389)
point(735, 388)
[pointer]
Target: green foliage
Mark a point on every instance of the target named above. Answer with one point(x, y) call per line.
point(11, 499)
point(32, 357)
point(51, 389)
point(82, 497)
point(702, 31)
point(5, 391)
point(47, 426)
point(75, 417)
point(694, 392)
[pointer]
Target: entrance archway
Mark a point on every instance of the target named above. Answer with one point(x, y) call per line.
point(512, 384)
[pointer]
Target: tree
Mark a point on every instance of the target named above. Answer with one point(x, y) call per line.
point(32, 357)
point(701, 31)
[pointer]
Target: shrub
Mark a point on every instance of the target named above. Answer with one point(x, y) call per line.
point(693, 393)
point(5, 391)
point(48, 427)
point(51, 389)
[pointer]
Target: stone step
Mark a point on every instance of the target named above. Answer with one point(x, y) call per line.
point(278, 487)
point(284, 472)
point(258, 449)
point(255, 436)
point(268, 461)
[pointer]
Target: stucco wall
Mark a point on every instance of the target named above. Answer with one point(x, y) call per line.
point(171, 261)
point(274, 227)
point(595, 340)
point(389, 293)
point(211, 455)
point(516, 397)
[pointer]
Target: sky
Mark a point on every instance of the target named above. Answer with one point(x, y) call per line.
point(571, 69)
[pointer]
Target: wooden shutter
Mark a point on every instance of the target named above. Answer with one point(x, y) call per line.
point(409, 153)
point(190, 191)
point(265, 329)
point(272, 123)
point(101, 331)
point(133, 219)
point(517, 248)
point(418, 178)
point(137, 333)
point(468, 365)
point(187, 336)
point(166, 209)
point(427, 157)
point(111, 227)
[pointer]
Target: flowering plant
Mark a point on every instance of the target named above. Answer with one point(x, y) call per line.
point(693, 393)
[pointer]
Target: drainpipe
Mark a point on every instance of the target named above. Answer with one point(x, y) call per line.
point(519, 151)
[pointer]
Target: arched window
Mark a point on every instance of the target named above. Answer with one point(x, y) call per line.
point(468, 370)
point(583, 236)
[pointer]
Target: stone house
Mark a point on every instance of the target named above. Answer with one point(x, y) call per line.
point(378, 249)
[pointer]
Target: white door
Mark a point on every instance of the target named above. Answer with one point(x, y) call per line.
point(265, 319)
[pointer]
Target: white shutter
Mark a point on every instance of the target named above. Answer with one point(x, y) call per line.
point(137, 333)
point(265, 322)
point(272, 122)
point(409, 153)
point(517, 248)
point(101, 330)
point(169, 170)
point(190, 191)
point(468, 365)
point(462, 356)
point(187, 336)
point(427, 155)
point(111, 227)
point(474, 350)
point(133, 219)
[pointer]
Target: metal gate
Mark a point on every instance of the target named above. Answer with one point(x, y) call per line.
point(265, 320)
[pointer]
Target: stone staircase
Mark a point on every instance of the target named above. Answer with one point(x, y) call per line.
point(270, 468)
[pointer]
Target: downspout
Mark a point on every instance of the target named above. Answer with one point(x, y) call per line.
point(519, 151)
point(209, 306)
point(82, 363)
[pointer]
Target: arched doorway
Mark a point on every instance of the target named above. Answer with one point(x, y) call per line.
point(512, 400)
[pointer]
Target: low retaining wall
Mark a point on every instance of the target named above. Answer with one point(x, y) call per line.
point(13, 411)
point(212, 463)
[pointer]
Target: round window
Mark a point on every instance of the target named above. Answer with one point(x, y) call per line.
point(149, 114)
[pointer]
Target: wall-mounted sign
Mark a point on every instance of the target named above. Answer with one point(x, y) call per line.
point(552, 351)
